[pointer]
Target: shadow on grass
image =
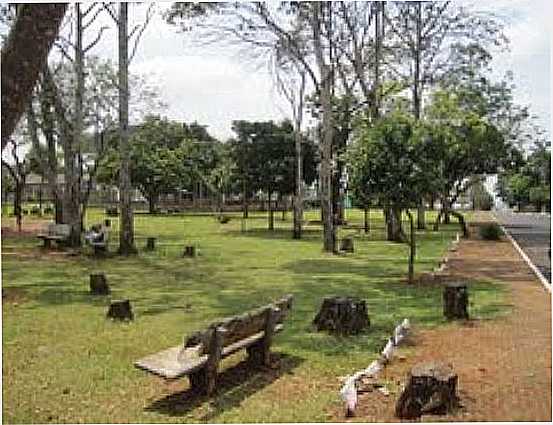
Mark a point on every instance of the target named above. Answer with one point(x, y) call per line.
point(282, 234)
point(234, 385)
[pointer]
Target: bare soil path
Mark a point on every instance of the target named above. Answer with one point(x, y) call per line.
point(504, 364)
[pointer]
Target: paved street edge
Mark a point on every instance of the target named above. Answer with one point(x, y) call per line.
point(536, 271)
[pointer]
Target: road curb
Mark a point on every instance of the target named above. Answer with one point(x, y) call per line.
point(545, 283)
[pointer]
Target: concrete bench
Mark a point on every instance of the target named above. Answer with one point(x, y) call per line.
point(199, 356)
point(55, 232)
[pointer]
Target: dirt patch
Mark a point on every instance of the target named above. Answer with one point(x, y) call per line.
point(504, 365)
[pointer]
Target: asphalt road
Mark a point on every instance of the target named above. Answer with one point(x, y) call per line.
point(532, 232)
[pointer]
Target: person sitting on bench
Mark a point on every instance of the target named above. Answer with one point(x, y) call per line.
point(95, 235)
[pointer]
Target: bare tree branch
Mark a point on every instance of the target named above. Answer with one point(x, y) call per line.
point(96, 40)
point(149, 14)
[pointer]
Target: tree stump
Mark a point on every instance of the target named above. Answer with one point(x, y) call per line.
point(99, 284)
point(150, 244)
point(342, 315)
point(107, 222)
point(346, 245)
point(456, 300)
point(431, 388)
point(120, 310)
point(189, 251)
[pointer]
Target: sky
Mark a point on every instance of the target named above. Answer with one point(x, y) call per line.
point(218, 84)
point(215, 85)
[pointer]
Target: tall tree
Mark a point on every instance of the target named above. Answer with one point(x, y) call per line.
point(126, 232)
point(422, 34)
point(291, 81)
point(392, 159)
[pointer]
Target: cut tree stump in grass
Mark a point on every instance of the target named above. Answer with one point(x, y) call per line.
point(346, 245)
point(456, 299)
point(120, 310)
point(431, 389)
point(150, 244)
point(99, 284)
point(342, 315)
point(189, 251)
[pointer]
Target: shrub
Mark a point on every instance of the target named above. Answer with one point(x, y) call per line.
point(36, 211)
point(490, 232)
point(48, 210)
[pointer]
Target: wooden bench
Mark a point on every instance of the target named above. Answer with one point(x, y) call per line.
point(200, 354)
point(55, 232)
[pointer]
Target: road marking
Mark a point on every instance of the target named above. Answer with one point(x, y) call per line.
point(536, 271)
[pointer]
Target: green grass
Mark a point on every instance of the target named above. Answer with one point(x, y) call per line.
point(64, 362)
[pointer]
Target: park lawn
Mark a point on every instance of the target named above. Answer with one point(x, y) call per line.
point(64, 362)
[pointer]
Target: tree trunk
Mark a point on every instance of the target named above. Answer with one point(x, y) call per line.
point(17, 210)
point(271, 213)
point(394, 229)
point(58, 210)
point(71, 196)
point(244, 200)
point(366, 223)
point(438, 221)
point(152, 201)
point(329, 234)
point(379, 19)
point(47, 109)
point(412, 247)
point(126, 232)
point(417, 95)
point(24, 55)
point(421, 212)
point(298, 195)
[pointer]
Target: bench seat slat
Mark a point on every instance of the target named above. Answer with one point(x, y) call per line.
point(167, 365)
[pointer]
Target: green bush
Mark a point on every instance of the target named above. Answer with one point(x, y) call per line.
point(491, 232)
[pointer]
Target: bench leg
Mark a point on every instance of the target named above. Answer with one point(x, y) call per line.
point(260, 352)
point(205, 380)
point(198, 381)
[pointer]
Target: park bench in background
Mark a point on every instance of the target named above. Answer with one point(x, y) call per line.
point(55, 232)
point(199, 356)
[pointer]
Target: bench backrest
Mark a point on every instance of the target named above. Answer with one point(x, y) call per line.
point(59, 229)
point(242, 326)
